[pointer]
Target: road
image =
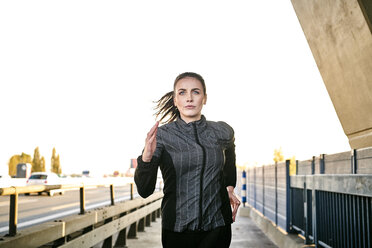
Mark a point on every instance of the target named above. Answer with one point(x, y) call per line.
point(34, 209)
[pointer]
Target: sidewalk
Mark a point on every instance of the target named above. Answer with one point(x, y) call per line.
point(244, 234)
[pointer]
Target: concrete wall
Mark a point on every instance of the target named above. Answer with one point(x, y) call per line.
point(339, 36)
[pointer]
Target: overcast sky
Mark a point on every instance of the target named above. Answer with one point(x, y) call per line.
point(81, 76)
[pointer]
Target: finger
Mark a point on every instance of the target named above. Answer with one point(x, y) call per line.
point(154, 132)
point(235, 210)
point(236, 205)
point(154, 128)
point(151, 140)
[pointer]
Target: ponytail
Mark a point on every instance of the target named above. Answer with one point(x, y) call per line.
point(165, 107)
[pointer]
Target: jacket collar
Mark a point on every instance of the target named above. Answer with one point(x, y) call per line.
point(200, 124)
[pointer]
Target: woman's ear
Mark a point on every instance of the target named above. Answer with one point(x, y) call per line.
point(205, 100)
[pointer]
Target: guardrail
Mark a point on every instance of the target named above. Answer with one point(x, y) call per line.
point(328, 199)
point(13, 192)
point(333, 210)
point(267, 190)
point(89, 227)
point(356, 161)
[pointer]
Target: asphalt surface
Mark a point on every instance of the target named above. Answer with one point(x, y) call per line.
point(244, 234)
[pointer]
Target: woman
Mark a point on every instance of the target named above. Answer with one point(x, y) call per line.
point(197, 161)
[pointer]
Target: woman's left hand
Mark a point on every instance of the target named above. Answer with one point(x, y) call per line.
point(234, 201)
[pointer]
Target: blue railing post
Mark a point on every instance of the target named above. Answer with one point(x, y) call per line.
point(276, 193)
point(314, 214)
point(288, 198)
point(354, 162)
point(296, 167)
point(244, 187)
point(313, 166)
point(322, 163)
point(307, 209)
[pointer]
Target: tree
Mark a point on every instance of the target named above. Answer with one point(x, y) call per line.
point(37, 164)
point(42, 164)
point(55, 165)
point(53, 158)
point(58, 165)
point(15, 160)
point(278, 155)
point(12, 165)
point(292, 166)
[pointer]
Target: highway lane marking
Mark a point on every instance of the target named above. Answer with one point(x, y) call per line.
point(67, 205)
point(2, 204)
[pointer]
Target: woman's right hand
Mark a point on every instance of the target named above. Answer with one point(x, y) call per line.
point(150, 143)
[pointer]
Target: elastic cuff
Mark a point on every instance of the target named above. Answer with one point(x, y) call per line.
point(143, 162)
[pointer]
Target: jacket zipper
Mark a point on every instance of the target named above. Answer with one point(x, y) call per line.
point(201, 179)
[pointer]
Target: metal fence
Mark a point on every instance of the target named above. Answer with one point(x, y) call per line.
point(328, 200)
point(13, 192)
point(102, 227)
point(267, 191)
point(337, 211)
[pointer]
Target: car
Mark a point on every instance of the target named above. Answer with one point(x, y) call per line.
point(45, 178)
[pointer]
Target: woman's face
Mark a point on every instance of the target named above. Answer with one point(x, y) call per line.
point(189, 98)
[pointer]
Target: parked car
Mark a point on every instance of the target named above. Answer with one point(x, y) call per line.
point(45, 178)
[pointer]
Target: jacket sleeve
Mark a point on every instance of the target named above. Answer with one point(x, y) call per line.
point(145, 174)
point(229, 171)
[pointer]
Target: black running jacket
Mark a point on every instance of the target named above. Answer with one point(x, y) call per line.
point(197, 162)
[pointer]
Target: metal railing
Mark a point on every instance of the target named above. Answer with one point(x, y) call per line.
point(108, 225)
point(267, 190)
point(328, 199)
point(13, 192)
point(337, 209)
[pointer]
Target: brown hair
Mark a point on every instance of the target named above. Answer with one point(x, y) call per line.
point(165, 105)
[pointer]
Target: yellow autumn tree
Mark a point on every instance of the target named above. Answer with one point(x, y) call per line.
point(38, 163)
point(15, 160)
point(292, 166)
point(278, 155)
point(55, 165)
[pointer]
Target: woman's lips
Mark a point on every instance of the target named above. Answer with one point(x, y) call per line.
point(189, 106)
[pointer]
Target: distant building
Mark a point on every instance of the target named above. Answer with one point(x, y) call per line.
point(133, 163)
point(23, 170)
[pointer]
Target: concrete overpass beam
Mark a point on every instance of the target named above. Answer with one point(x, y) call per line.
point(339, 36)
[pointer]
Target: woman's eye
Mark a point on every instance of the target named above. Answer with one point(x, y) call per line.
point(181, 93)
point(196, 92)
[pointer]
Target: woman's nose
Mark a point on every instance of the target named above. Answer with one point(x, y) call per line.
point(189, 97)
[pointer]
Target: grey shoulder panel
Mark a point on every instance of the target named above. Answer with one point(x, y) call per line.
point(226, 132)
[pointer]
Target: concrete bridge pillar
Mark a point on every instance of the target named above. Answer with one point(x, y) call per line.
point(339, 36)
